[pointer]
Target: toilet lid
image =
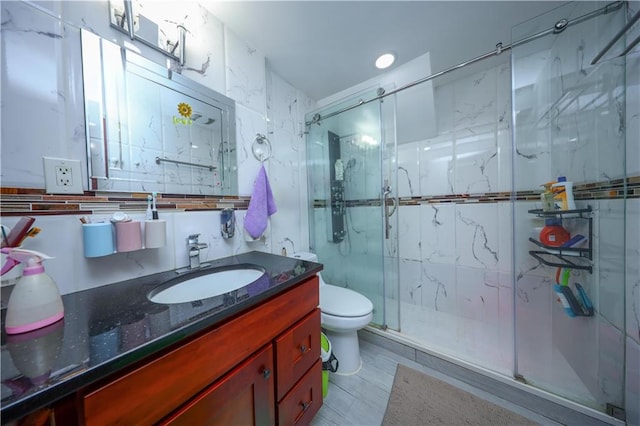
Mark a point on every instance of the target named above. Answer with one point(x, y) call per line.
point(343, 302)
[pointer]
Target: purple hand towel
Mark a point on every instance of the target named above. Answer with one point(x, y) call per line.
point(261, 206)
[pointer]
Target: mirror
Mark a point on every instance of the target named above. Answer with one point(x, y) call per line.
point(149, 129)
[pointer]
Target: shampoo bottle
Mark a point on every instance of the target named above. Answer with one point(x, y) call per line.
point(563, 194)
point(35, 301)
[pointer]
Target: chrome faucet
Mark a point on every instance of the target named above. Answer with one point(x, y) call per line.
point(193, 248)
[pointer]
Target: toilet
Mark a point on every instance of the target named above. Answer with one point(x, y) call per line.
point(343, 313)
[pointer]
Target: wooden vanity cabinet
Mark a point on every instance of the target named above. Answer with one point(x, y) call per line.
point(242, 397)
point(230, 374)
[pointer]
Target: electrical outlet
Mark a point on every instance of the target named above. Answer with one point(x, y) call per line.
point(62, 176)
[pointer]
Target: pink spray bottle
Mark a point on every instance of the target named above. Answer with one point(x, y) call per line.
point(35, 301)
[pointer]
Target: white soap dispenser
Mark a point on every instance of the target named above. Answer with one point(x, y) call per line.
point(35, 301)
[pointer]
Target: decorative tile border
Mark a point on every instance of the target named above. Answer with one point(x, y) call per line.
point(21, 201)
point(605, 190)
point(35, 202)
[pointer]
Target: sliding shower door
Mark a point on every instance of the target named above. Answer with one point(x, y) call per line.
point(569, 121)
point(346, 222)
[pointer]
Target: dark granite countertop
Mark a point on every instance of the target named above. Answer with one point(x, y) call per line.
point(106, 329)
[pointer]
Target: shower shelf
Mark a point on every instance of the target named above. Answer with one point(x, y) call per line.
point(560, 256)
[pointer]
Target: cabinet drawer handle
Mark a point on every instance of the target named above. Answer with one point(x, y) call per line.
point(305, 405)
point(303, 348)
point(266, 373)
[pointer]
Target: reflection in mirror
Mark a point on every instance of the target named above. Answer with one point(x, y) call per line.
point(149, 129)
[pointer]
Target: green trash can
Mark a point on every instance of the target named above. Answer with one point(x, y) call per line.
point(329, 362)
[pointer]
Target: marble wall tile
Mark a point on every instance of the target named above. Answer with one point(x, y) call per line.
point(438, 228)
point(409, 234)
point(437, 165)
point(475, 100)
point(477, 295)
point(439, 287)
point(632, 284)
point(408, 170)
point(38, 90)
point(477, 236)
point(609, 285)
point(443, 98)
point(411, 290)
point(245, 71)
point(476, 160)
point(505, 238)
point(632, 392)
point(633, 114)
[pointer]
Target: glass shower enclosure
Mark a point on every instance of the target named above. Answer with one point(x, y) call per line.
point(344, 159)
point(441, 232)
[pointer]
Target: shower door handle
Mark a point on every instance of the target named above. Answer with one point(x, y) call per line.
point(386, 190)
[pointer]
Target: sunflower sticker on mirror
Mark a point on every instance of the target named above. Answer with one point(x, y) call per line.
point(185, 110)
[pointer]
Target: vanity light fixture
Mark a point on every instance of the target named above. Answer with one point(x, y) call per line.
point(385, 60)
point(140, 28)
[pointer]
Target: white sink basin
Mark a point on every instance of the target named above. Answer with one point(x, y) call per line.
point(205, 286)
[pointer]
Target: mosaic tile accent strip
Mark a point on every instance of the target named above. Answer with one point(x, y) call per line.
point(18, 201)
point(613, 189)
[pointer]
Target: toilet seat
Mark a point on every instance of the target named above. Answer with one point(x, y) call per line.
point(342, 302)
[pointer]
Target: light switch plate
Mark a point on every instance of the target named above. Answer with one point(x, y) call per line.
point(62, 176)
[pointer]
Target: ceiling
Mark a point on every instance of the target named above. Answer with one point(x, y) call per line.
point(323, 47)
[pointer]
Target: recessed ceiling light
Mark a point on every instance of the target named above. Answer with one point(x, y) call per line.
point(385, 60)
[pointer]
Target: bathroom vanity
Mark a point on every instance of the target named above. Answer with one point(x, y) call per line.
point(252, 357)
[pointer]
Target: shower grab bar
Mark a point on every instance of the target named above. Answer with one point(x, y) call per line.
point(166, 160)
point(615, 38)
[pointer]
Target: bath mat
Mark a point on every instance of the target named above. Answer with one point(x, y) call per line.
point(418, 399)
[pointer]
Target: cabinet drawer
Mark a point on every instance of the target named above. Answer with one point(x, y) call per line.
point(152, 391)
point(303, 401)
point(242, 397)
point(296, 351)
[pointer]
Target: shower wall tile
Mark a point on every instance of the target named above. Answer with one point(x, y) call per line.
point(633, 114)
point(443, 98)
point(408, 170)
point(477, 236)
point(362, 170)
point(610, 262)
point(632, 383)
point(503, 96)
point(533, 304)
point(526, 225)
point(506, 323)
point(505, 169)
point(477, 295)
point(436, 165)
point(505, 238)
point(632, 285)
point(475, 100)
point(476, 160)
point(439, 287)
point(409, 225)
point(438, 230)
point(245, 71)
point(411, 289)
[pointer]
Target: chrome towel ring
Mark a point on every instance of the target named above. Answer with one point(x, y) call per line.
point(261, 148)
